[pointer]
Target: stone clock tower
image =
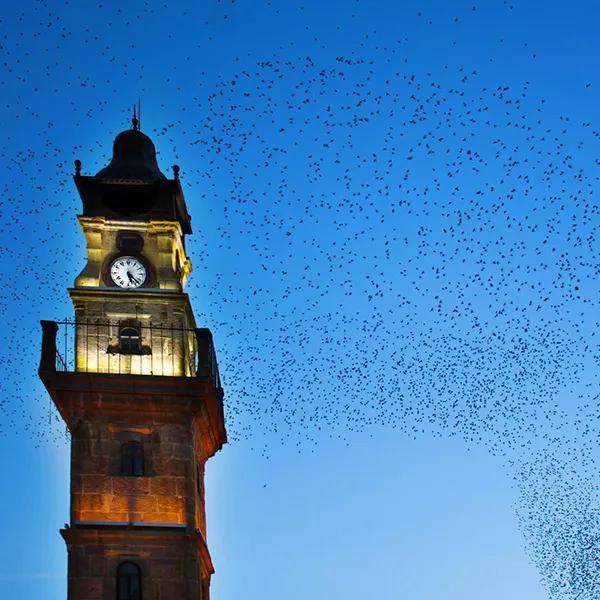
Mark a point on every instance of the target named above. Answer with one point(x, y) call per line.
point(138, 387)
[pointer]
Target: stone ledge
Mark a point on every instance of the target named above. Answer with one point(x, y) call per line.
point(128, 524)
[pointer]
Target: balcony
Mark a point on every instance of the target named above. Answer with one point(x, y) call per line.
point(128, 347)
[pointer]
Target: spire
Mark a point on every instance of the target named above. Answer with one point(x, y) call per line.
point(135, 124)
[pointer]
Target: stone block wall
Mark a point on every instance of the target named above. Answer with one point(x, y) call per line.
point(168, 492)
point(169, 561)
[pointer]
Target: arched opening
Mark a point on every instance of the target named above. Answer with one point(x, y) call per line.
point(129, 581)
point(132, 459)
point(129, 340)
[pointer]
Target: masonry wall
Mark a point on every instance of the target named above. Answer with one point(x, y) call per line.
point(170, 567)
point(166, 493)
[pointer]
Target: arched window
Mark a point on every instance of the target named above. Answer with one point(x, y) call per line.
point(129, 582)
point(129, 340)
point(132, 459)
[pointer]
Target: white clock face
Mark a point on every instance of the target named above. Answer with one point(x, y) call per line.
point(128, 272)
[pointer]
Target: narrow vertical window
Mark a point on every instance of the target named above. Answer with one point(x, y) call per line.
point(130, 341)
point(129, 582)
point(132, 459)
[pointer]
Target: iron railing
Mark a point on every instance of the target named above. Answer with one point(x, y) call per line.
point(128, 347)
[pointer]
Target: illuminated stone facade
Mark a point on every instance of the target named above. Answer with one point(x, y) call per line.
point(141, 398)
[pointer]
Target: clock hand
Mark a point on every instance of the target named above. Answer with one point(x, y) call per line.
point(132, 278)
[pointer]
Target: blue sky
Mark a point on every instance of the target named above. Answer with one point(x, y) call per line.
point(395, 245)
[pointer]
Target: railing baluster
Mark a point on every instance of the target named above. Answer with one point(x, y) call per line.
point(172, 350)
point(87, 345)
point(97, 330)
point(66, 343)
point(182, 351)
point(141, 354)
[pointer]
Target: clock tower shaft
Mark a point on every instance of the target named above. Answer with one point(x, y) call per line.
point(137, 384)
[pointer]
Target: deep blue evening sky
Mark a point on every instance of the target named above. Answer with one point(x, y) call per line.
point(396, 247)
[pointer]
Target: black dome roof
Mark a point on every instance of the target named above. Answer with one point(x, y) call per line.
point(134, 157)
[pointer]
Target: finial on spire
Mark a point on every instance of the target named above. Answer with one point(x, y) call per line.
point(175, 171)
point(77, 168)
point(134, 122)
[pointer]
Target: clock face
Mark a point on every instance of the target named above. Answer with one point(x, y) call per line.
point(128, 272)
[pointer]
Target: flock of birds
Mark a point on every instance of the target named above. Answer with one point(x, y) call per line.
point(422, 258)
point(374, 246)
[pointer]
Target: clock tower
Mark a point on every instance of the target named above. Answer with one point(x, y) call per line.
point(137, 384)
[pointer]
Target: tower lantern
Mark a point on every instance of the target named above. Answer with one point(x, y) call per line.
point(137, 384)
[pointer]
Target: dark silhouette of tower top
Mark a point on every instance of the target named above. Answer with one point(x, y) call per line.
point(134, 157)
point(132, 184)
